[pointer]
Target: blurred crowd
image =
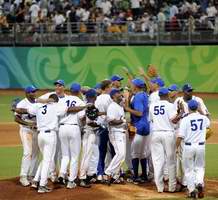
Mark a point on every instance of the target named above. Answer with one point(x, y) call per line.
point(112, 15)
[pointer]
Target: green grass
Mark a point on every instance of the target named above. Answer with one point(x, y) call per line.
point(7, 116)
point(10, 158)
point(212, 106)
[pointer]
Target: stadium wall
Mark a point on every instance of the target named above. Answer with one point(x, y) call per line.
point(20, 67)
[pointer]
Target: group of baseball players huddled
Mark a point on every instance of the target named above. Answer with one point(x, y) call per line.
point(86, 135)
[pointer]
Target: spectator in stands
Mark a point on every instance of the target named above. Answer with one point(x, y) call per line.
point(135, 6)
point(34, 10)
point(211, 10)
point(161, 20)
point(130, 25)
point(173, 10)
point(216, 24)
point(59, 20)
point(106, 7)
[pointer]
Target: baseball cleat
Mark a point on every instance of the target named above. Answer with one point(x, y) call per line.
point(53, 178)
point(61, 180)
point(71, 185)
point(35, 185)
point(193, 195)
point(200, 191)
point(83, 183)
point(24, 181)
point(44, 189)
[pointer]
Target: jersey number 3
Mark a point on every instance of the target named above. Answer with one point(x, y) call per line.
point(196, 124)
point(159, 110)
point(44, 109)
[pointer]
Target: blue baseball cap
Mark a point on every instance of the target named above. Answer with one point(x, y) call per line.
point(75, 87)
point(163, 91)
point(97, 86)
point(91, 93)
point(116, 78)
point(60, 82)
point(193, 104)
point(30, 89)
point(173, 87)
point(114, 91)
point(138, 82)
point(187, 88)
point(158, 81)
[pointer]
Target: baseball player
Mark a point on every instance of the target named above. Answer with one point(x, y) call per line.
point(187, 95)
point(70, 136)
point(47, 126)
point(193, 131)
point(162, 116)
point(28, 137)
point(139, 118)
point(117, 135)
point(89, 140)
point(102, 102)
point(60, 92)
point(173, 93)
point(155, 85)
point(116, 81)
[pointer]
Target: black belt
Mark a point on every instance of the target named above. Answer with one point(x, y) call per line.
point(62, 124)
point(46, 131)
point(189, 143)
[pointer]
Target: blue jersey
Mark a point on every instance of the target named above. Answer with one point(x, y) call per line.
point(140, 103)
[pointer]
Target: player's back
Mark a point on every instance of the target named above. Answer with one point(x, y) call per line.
point(161, 113)
point(193, 128)
point(102, 102)
point(72, 118)
point(47, 115)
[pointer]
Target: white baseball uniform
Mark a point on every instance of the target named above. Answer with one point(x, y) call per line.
point(28, 137)
point(47, 125)
point(154, 97)
point(193, 131)
point(185, 104)
point(163, 142)
point(117, 137)
point(87, 166)
point(57, 159)
point(70, 138)
point(180, 171)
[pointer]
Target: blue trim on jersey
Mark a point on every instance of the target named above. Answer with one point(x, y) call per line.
point(140, 103)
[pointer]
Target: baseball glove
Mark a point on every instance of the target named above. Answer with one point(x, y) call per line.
point(92, 112)
point(131, 130)
point(209, 132)
point(14, 104)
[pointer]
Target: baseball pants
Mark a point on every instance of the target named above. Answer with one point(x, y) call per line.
point(103, 141)
point(194, 165)
point(128, 158)
point(163, 147)
point(88, 143)
point(93, 163)
point(29, 161)
point(118, 140)
point(70, 138)
point(47, 144)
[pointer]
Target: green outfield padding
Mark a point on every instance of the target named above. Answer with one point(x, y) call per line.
point(10, 158)
point(88, 65)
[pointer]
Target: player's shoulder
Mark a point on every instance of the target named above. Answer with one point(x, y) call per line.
point(198, 99)
point(23, 103)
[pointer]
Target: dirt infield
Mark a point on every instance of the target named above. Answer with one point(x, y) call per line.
point(97, 192)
